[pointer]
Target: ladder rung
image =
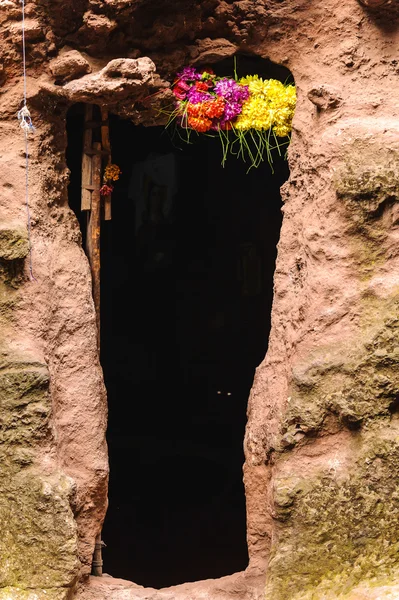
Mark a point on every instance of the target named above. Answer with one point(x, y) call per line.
point(91, 152)
point(92, 124)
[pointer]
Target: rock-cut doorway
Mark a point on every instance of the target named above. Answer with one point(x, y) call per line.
point(187, 266)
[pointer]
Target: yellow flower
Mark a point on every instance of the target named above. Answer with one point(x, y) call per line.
point(282, 130)
point(290, 92)
point(270, 104)
point(246, 80)
point(111, 172)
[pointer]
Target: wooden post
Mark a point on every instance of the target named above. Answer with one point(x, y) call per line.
point(91, 201)
point(97, 564)
point(87, 160)
point(107, 148)
point(93, 233)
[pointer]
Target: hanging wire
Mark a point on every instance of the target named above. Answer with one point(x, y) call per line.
point(27, 126)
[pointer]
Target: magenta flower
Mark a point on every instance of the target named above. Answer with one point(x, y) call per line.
point(196, 97)
point(232, 110)
point(189, 73)
point(183, 85)
point(196, 88)
point(231, 90)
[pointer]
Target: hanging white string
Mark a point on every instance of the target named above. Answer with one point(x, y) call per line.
point(27, 126)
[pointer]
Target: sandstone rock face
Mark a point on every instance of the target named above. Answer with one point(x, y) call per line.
point(120, 78)
point(38, 545)
point(13, 244)
point(209, 51)
point(322, 454)
point(42, 500)
point(33, 31)
point(69, 65)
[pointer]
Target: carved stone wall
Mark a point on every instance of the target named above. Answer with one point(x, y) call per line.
point(322, 450)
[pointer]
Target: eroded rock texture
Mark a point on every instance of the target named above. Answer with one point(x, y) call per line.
point(322, 454)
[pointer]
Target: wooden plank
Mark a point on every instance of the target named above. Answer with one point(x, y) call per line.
point(93, 236)
point(86, 161)
point(107, 208)
point(106, 143)
point(105, 130)
point(91, 152)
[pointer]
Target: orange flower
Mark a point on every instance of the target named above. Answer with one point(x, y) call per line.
point(214, 108)
point(194, 110)
point(199, 124)
point(211, 109)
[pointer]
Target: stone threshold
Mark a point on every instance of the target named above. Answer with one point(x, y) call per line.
point(236, 586)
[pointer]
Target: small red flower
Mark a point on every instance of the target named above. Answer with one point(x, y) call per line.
point(183, 85)
point(179, 93)
point(201, 86)
point(106, 190)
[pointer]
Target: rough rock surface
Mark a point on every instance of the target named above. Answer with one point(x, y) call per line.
point(322, 454)
point(69, 65)
point(225, 588)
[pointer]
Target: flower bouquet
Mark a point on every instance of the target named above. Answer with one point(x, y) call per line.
point(248, 114)
point(111, 174)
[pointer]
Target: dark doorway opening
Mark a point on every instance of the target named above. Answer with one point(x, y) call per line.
point(187, 266)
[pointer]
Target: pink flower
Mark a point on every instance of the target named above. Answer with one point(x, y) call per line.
point(106, 190)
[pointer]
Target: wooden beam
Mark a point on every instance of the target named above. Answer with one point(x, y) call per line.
point(106, 143)
point(93, 236)
point(91, 152)
point(105, 130)
point(86, 161)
